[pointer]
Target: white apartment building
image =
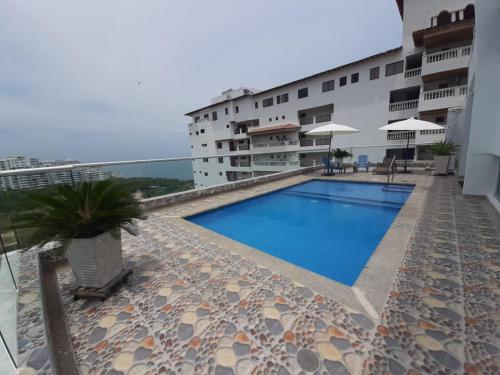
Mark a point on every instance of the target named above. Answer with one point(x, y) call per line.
point(34, 181)
point(265, 130)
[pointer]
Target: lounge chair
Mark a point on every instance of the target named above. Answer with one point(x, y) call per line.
point(363, 162)
point(383, 168)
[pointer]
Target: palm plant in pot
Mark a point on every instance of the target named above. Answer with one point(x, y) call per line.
point(86, 220)
point(340, 154)
point(442, 151)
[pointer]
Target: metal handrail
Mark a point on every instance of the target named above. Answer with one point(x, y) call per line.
point(391, 168)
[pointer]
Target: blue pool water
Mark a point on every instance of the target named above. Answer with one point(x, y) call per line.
point(328, 227)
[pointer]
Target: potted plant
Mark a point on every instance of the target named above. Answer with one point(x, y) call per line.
point(86, 220)
point(442, 151)
point(340, 154)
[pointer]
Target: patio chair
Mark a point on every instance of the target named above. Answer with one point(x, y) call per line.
point(363, 162)
point(328, 168)
point(383, 168)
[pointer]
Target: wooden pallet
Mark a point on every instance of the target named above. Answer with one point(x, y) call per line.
point(101, 293)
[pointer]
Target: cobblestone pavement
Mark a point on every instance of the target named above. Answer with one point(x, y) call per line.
point(193, 306)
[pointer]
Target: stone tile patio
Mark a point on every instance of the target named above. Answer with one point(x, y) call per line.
point(193, 306)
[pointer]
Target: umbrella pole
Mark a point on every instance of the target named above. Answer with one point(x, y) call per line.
point(329, 151)
point(407, 146)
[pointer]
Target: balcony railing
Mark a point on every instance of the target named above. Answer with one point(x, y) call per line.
point(322, 142)
point(448, 54)
point(324, 118)
point(275, 144)
point(240, 163)
point(401, 106)
point(243, 147)
point(400, 135)
point(306, 120)
point(415, 72)
point(306, 142)
point(445, 93)
point(276, 163)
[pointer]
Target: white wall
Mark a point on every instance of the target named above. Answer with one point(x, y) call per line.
point(483, 151)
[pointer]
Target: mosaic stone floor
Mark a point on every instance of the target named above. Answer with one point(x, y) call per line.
point(194, 307)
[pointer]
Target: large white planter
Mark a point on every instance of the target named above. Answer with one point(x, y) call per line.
point(441, 164)
point(95, 261)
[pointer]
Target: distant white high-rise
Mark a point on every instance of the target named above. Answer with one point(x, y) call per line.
point(33, 181)
point(425, 77)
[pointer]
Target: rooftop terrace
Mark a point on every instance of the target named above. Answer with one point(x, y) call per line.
point(199, 303)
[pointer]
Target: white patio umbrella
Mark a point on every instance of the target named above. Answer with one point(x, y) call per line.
point(409, 125)
point(331, 130)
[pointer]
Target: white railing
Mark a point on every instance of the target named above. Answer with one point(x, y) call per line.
point(400, 135)
point(306, 142)
point(448, 54)
point(401, 106)
point(243, 147)
point(275, 144)
point(275, 163)
point(413, 72)
point(322, 142)
point(445, 93)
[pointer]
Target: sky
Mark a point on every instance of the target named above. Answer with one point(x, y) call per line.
point(111, 80)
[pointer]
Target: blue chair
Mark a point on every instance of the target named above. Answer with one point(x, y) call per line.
point(328, 169)
point(363, 162)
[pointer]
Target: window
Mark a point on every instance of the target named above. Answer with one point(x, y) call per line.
point(219, 145)
point(270, 119)
point(283, 98)
point(226, 111)
point(197, 118)
point(374, 73)
point(214, 116)
point(237, 109)
point(220, 173)
point(283, 117)
point(394, 68)
point(205, 116)
point(197, 133)
point(267, 102)
point(203, 145)
point(205, 160)
point(303, 93)
point(202, 131)
point(343, 81)
point(354, 77)
point(329, 85)
point(256, 105)
point(221, 160)
point(227, 126)
point(206, 174)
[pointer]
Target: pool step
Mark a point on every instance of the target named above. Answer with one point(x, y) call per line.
point(340, 198)
point(398, 188)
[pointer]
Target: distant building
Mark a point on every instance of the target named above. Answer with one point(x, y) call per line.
point(34, 181)
point(425, 77)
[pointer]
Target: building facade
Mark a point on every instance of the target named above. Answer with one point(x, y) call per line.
point(34, 181)
point(265, 131)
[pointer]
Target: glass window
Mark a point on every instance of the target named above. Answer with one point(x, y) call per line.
point(283, 98)
point(394, 68)
point(197, 118)
point(214, 116)
point(219, 145)
point(205, 116)
point(354, 77)
point(256, 105)
point(343, 81)
point(268, 102)
point(237, 109)
point(374, 73)
point(329, 85)
point(226, 111)
point(202, 131)
point(221, 160)
point(303, 93)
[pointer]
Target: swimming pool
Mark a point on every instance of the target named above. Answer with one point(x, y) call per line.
point(328, 227)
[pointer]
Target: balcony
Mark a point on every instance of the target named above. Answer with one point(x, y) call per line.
point(449, 60)
point(415, 72)
point(398, 137)
point(275, 146)
point(314, 142)
point(404, 105)
point(442, 98)
point(275, 166)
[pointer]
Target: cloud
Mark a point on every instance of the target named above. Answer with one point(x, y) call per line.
point(70, 70)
